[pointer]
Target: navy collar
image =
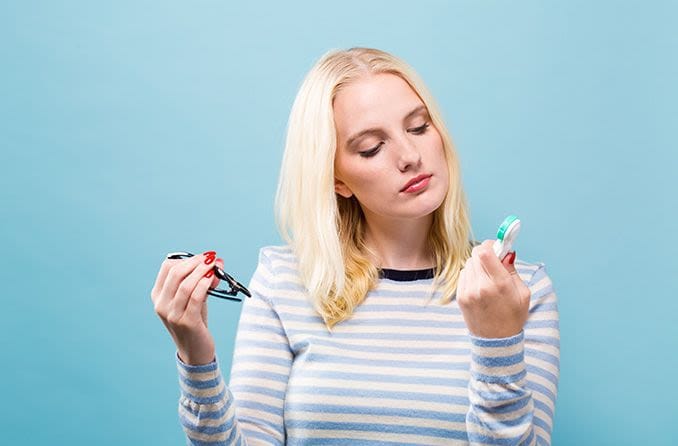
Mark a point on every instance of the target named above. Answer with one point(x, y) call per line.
point(407, 275)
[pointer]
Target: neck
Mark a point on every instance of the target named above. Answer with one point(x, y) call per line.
point(399, 244)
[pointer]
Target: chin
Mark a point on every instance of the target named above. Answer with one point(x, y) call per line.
point(421, 210)
point(429, 204)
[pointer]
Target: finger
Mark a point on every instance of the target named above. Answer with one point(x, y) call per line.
point(189, 284)
point(216, 280)
point(508, 263)
point(461, 283)
point(489, 262)
point(162, 275)
point(178, 272)
point(477, 265)
point(471, 275)
point(517, 280)
point(197, 301)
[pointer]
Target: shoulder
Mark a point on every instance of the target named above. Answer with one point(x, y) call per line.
point(276, 278)
point(527, 270)
point(278, 264)
point(534, 275)
point(277, 257)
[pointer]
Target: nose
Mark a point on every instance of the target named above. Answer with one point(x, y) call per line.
point(409, 156)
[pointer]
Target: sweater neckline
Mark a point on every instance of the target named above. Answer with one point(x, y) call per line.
point(407, 275)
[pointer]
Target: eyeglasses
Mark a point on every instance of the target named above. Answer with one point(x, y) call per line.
point(236, 287)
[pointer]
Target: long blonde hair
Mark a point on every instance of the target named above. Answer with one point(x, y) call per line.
point(326, 230)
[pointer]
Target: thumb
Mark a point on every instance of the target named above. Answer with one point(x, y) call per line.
point(215, 280)
point(508, 263)
point(511, 268)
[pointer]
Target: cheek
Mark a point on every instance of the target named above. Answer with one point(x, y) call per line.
point(361, 175)
point(438, 151)
point(436, 141)
point(439, 157)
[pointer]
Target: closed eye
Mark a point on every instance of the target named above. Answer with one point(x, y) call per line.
point(415, 131)
point(420, 130)
point(371, 152)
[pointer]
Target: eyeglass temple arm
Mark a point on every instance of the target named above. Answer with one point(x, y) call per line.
point(223, 294)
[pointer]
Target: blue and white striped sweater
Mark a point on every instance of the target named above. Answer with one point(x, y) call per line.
point(402, 370)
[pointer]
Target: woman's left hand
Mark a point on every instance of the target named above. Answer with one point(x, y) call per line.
point(492, 297)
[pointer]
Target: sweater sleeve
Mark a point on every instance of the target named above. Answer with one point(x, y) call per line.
point(249, 411)
point(514, 380)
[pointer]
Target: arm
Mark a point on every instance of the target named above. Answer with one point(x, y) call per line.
point(514, 380)
point(250, 409)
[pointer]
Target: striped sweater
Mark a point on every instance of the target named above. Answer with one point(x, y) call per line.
point(402, 370)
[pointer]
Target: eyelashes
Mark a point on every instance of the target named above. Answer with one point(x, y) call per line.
point(421, 129)
point(371, 152)
point(415, 131)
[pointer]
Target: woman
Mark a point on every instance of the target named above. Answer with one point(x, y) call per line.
point(378, 322)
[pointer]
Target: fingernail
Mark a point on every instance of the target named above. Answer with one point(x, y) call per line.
point(512, 258)
point(210, 255)
point(209, 274)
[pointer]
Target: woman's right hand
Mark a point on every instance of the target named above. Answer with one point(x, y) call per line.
point(180, 300)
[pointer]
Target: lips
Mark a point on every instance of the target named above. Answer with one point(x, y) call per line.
point(423, 178)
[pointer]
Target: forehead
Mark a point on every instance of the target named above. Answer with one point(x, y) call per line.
point(373, 100)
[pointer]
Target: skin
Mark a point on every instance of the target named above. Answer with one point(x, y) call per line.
point(493, 299)
point(407, 145)
point(179, 298)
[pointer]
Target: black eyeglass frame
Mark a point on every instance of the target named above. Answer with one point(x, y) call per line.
point(236, 287)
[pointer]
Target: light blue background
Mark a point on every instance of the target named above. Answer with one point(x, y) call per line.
point(133, 128)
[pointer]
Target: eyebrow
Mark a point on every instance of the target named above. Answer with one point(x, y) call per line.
point(374, 130)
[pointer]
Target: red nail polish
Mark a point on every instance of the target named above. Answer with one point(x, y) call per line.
point(208, 253)
point(209, 260)
point(512, 258)
point(209, 274)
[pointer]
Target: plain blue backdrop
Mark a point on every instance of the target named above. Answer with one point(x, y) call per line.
point(130, 129)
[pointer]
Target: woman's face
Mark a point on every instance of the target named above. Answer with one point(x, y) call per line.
point(389, 154)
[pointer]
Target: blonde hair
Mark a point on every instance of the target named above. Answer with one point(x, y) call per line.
point(326, 230)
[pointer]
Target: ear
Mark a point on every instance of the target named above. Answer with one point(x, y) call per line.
point(342, 189)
